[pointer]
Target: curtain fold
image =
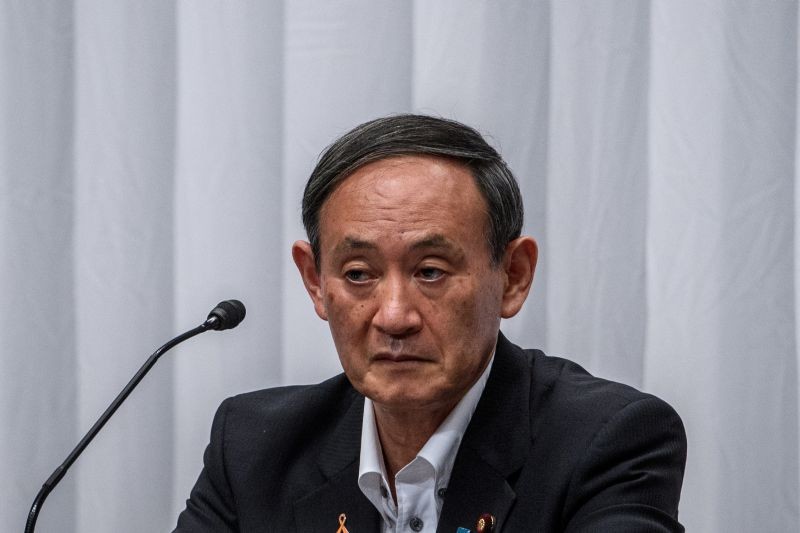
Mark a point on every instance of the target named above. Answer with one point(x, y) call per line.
point(153, 156)
point(38, 362)
point(226, 218)
point(721, 278)
point(124, 130)
point(596, 209)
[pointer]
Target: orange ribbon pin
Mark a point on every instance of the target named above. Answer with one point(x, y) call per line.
point(342, 520)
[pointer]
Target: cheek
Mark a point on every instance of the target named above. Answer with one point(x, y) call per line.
point(472, 319)
point(474, 304)
point(346, 317)
point(336, 318)
point(333, 298)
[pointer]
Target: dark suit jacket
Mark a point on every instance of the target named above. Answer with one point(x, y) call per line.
point(549, 448)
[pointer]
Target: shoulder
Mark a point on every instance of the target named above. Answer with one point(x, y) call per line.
point(294, 400)
point(569, 403)
point(294, 413)
point(613, 454)
point(559, 386)
point(264, 454)
point(571, 410)
point(568, 383)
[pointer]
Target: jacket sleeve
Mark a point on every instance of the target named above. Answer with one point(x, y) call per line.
point(210, 506)
point(630, 478)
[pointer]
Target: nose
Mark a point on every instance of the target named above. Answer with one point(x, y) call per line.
point(397, 313)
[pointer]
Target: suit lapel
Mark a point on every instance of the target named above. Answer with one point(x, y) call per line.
point(495, 445)
point(319, 510)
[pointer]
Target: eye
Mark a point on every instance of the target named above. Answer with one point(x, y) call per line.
point(357, 276)
point(430, 273)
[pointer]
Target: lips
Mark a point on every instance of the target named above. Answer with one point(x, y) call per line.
point(398, 358)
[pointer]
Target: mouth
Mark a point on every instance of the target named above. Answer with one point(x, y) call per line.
point(389, 357)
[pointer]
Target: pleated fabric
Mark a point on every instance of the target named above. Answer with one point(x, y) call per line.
point(152, 159)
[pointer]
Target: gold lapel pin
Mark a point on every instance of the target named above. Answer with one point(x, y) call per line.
point(485, 523)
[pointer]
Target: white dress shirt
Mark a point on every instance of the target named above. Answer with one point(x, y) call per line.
point(420, 485)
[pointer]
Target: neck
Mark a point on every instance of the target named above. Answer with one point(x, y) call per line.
point(403, 433)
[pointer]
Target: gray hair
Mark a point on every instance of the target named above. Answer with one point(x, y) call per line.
point(408, 134)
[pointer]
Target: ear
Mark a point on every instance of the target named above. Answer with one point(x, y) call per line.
point(304, 259)
point(519, 264)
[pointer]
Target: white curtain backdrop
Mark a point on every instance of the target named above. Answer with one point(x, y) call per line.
point(152, 157)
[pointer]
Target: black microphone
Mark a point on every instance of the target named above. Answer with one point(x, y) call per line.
point(225, 315)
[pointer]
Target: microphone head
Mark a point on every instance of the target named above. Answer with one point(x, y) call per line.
point(226, 315)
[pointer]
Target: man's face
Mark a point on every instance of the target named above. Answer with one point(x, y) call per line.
point(406, 281)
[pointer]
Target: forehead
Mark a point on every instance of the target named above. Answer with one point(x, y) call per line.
point(405, 195)
point(409, 182)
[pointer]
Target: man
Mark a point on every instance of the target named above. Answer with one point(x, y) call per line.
point(414, 256)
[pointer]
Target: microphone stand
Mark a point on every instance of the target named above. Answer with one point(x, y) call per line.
point(213, 322)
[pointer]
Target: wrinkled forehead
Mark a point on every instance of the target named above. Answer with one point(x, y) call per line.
point(409, 197)
point(390, 173)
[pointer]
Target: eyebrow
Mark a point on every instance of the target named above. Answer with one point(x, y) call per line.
point(353, 243)
point(435, 241)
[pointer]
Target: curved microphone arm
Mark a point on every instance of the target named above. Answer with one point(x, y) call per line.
point(226, 315)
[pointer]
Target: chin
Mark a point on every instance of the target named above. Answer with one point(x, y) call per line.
point(406, 398)
point(405, 403)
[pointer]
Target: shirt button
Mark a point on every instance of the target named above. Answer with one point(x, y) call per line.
point(441, 492)
point(416, 523)
point(384, 492)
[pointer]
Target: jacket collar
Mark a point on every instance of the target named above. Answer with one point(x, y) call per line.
point(495, 445)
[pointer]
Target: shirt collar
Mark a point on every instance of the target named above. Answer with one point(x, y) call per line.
point(440, 450)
